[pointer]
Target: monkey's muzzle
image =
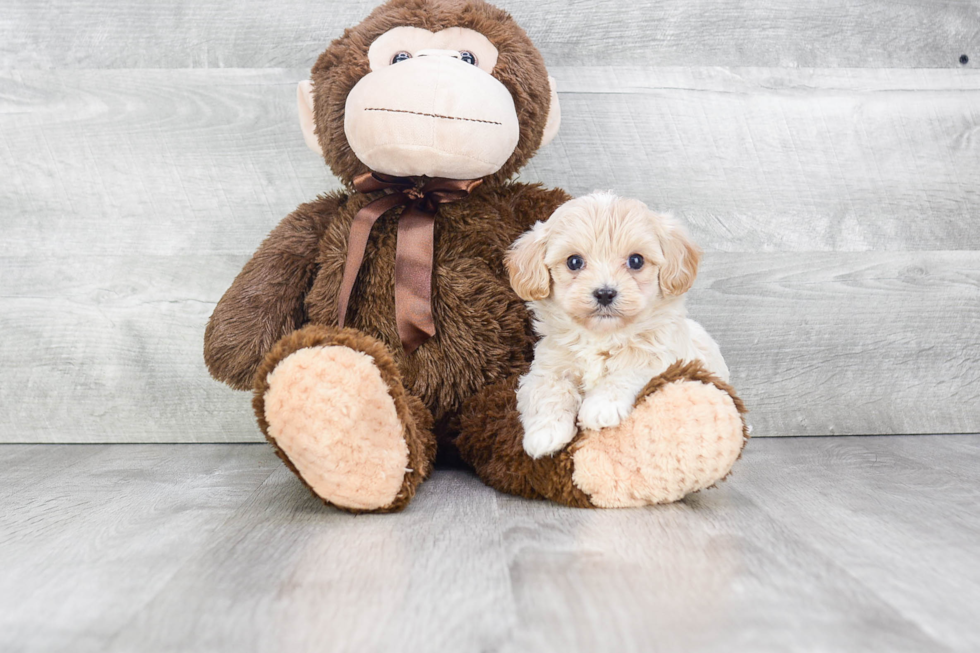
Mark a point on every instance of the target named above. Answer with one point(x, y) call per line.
point(436, 116)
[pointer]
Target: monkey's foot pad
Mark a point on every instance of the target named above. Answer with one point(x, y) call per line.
point(330, 412)
point(680, 439)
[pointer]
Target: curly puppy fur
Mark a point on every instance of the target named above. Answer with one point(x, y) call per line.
point(609, 324)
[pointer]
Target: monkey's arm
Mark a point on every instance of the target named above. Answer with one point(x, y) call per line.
point(266, 300)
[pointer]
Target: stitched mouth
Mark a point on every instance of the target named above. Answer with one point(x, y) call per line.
point(433, 115)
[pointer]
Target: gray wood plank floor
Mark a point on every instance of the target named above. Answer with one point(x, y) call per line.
point(816, 544)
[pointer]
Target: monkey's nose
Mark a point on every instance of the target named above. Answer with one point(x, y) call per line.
point(605, 296)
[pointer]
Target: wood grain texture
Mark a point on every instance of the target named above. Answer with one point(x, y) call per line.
point(910, 502)
point(95, 343)
point(21, 471)
point(855, 343)
point(209, 161)
point(255, 34)
point(434, 578)
point(93, 543)
point(780, 159)
point(830, 544)
point(109, 348)
point(156, 162)
point(132, 196)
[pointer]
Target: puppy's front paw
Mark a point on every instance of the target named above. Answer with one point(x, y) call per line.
point(546, 439)
point(598, 412)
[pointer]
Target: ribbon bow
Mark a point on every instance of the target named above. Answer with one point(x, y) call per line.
point(413, 254)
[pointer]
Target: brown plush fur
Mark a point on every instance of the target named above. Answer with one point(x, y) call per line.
point(520, 68)
point(483, 329)
point(416, 419)
point(491, 439)
point(267, 299)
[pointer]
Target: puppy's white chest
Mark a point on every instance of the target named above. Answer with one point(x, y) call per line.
point(593, 367)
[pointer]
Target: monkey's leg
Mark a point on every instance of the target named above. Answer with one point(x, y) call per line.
point(331, 402)
point(684, 434)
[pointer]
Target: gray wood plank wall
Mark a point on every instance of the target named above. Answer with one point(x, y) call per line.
point(825, 154)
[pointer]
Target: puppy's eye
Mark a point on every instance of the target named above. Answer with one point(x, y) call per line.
point(401, 56)
point(634, 262)
point(575, 262)
point(468, 57)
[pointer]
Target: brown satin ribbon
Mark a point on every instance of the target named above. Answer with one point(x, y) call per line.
point(413, 254)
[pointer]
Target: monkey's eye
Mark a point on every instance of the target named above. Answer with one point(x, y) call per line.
point(575, 262)
point(468, 57)
point(634, 262)
point(401, 56)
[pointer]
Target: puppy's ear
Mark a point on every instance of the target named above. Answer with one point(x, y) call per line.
point(525, 264)
point(681, 259)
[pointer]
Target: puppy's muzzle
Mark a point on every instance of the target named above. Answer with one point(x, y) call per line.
point(605, 295)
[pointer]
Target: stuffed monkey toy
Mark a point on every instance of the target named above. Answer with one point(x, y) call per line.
point(376, 326)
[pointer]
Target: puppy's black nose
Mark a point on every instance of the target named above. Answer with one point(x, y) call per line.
point(605, 296)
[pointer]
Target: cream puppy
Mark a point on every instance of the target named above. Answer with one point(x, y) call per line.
point(605, 278)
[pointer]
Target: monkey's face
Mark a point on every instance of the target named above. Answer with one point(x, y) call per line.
point(430, 106)
point(436, 88)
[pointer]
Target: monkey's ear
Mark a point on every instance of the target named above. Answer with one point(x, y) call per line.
point(304, 103)
point(554, 114)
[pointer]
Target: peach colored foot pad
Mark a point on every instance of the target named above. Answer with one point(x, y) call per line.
point(330, 412)
point(679, 440)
